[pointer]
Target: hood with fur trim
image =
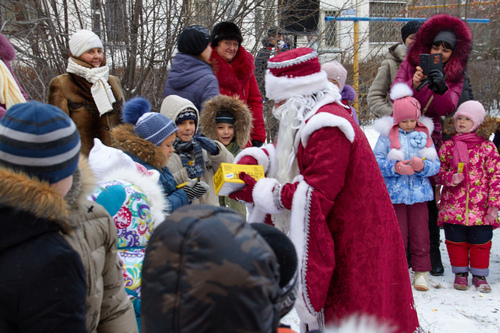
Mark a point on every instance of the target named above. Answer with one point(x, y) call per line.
point(84, 183)
point(29, 194)
point(243, 118)
point(7, 51)
point(457, 64)
point(125, 139)
point(485, 130)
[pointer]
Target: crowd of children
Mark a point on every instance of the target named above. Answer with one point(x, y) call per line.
point(143, 165)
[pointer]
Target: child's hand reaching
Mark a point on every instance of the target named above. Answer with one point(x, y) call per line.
point(492, 214)
point(403, 168)
point(457, 178)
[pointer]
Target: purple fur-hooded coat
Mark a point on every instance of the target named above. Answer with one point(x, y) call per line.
point(7, 54)
point(440, 105)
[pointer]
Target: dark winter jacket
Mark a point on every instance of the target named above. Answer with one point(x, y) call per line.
point(237, 78)
point(146, 153)
point(206, 270)
point(440, 105)
point(42, 280)
point(71, 93)
point(191, 78)
point(7, 54)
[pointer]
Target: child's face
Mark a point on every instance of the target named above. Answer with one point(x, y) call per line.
point(63, 186)
point(167, 146)
point(463, 124)
point(334, 82)
point(93, 57)
point(408, 125)
point(186, 129)
point(225, 133)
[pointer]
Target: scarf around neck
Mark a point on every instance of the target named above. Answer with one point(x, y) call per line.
point(464, 142)
point(186, 150)
point(101, 90)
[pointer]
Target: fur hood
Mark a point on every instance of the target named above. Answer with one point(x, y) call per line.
point(26, 193)
point(457, 64)
point(243, 118)
point(125, 139)
point(232, 76)
point(84, 183)
point(485, 130)
point(7, 51)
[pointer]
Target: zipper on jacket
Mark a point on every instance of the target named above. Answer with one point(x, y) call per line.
point(467, 206)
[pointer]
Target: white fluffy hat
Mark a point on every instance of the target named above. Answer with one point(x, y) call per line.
point(82, 41)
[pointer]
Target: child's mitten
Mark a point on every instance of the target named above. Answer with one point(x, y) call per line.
point(457, 178)
point(403, 168)
point(195, 189)
point(417, 164)
point(208, 145)
point(492, 214)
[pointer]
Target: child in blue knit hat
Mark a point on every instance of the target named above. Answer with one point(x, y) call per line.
point(148, 138)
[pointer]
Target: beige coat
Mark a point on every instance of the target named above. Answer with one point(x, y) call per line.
point(378, 95)
point(94, 237)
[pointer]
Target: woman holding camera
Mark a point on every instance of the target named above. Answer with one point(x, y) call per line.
point(439, 91)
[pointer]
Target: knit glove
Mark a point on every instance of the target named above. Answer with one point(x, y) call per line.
point(403, 168)
point(492, 214)
point(245, 194)
point(437, 83)
point(457, 178)
point(207, 144)
point(195, 189)
point(417, 164)
point(194, 171)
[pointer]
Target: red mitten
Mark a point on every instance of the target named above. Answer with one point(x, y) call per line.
point(417, 164)
point(245, 194)
point(248, 160)
point(403, 168)
point(492, 214)
point(457, 178)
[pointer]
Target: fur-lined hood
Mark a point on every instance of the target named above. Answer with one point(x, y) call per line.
point(383, 125)
point(485, 130)
point(125, 139)
point(243, 118)
point(29, 194)
point(7, 51)
point(457, 64)
point(84, 183)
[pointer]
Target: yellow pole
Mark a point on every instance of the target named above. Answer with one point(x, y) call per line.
point(356, 64)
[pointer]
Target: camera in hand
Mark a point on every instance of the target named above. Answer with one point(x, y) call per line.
point(429, 62)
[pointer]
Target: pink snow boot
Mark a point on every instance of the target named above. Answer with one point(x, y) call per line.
point(461, 282)
point(481, 284)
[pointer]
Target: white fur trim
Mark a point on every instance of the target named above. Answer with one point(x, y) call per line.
point(255, 215)
point(272, 170)
point(396, 155)
point(323, 119)
point(400, 90)
point(361, 324)
point(263, 196)
point(429, 153)
point(149, 186)
point(257, 153)
point(427, 122)
point(282, 88)
point(383, 125)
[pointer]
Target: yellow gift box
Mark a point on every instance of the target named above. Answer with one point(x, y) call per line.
point(227, 178)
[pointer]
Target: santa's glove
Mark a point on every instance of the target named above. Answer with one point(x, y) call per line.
point(417, 164)
point(492, 214)
point(195, 189)
point(437, 83)
point(195, 171)
point(245, 194)
point(403, 168)
point(207, 144)
point(457, 178)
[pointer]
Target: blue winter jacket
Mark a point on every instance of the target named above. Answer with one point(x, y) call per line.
point(192, 79)
point(175, 197)
point(404, 188)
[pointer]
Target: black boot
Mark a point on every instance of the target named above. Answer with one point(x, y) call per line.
point(434, 235)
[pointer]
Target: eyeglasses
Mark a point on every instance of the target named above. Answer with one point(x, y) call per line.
point(231, 44)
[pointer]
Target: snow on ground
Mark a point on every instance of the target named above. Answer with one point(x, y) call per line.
point(444, 309)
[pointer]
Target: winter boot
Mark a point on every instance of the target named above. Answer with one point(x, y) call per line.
point(481, 284)
point(461, 281)
point(421, 281)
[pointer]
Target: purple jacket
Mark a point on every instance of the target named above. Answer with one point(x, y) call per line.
point(192, 79)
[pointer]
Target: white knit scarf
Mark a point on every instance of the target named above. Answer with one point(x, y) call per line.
point(10, 93)
point(101, 90)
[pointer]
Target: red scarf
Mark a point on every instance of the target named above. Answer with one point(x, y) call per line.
point(464, 142)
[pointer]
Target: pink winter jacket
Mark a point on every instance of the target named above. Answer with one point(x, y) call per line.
point(468, 202)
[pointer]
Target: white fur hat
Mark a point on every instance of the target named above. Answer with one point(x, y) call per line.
point(82, 41)
point(103, 159)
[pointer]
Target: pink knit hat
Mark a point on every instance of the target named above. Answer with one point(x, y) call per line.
point(472, 110)
point(335, 71)
point(404, 108)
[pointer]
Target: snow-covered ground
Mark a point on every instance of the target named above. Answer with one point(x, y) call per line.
point(444, 309)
